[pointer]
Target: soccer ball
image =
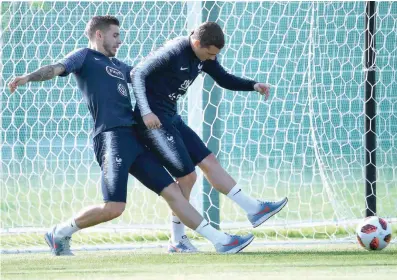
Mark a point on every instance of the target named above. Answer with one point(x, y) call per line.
point(373, 233)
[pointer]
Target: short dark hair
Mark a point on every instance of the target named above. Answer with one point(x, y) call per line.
point(209, 34)
point(100, 22)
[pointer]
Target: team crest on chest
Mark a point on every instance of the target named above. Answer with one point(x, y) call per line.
point(122, 90)
point(200, 67)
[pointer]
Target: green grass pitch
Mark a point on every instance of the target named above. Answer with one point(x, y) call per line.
point(256, 262)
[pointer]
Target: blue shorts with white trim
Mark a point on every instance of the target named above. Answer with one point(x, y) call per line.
point(119, 153)
point(177, 146)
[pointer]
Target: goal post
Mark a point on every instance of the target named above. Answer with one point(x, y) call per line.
point(307, 142)
point(370, 109)
point(212, 127)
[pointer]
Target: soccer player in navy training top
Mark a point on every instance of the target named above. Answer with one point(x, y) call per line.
point(103, 81)
point(158, 81)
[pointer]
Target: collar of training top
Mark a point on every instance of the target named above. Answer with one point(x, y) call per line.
point(189, 47)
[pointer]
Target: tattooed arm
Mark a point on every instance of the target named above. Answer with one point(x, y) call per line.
point(43, 74)
point(46, 73)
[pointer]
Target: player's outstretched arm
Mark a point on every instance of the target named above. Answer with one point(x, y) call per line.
point(229, 81)
point(42, 74)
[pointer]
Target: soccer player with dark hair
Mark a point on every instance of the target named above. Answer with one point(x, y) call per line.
point(158, 81)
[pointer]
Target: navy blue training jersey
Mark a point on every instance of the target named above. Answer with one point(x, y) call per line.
point(165, 75)
point(103, 81)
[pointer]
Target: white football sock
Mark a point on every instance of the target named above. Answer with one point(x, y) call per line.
point(212, 234)
point(177, 229)
point(249, 204)
point(66, 229)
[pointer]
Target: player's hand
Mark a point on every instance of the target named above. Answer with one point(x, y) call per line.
point(17, 81)
point(151, 121)
point(263, 89)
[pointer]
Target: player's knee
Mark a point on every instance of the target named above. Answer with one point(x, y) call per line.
point(172, 193)
point(208, 163)
point(114, 209)
point(188, 181)
point(193, 178)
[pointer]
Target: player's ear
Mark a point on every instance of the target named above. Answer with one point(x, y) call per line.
point(98, 34)
point(197, 44)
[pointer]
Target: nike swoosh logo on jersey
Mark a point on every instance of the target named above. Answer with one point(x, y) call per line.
point(96, 58)
point(183, 69)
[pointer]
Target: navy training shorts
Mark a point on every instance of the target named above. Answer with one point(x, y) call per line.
point(119, 153)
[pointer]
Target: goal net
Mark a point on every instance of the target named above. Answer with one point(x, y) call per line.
point(306, 142)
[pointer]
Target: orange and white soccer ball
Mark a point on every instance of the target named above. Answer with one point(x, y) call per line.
point(374, 233)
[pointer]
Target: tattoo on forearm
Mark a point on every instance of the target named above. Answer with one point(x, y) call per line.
point(46, 73)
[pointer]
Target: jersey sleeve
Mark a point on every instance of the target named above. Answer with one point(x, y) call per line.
point(129, 69)
point(156, 61)
point(225, 79)
point(74, 61)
